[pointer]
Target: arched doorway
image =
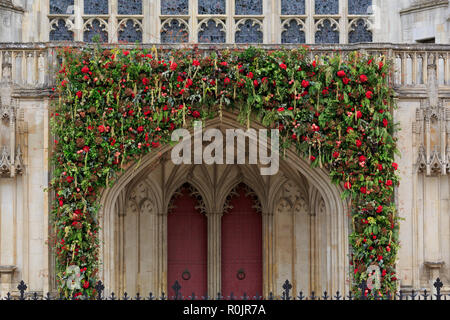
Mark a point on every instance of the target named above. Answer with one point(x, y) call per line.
point(242, 244)
point(186, 244)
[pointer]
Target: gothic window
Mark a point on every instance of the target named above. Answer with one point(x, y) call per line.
point(292, 32)
point(130, 31)
point(248, 7)
point(211, 6)
point(96, 7)
point(211, 31)
point(327, 6)
point(292, 7)
point(130, 7)
point(359, 6)
point(61, 6)
point(359, 32)
point(174, 31)
point(249, 31)
point(174, 7)
point(95, 28)
point(327, 31)
point(60, 31)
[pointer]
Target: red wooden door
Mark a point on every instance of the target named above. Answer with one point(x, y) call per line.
point(241, 248)
point(187, 247)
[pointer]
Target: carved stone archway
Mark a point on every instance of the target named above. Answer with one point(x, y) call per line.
point(305, 223)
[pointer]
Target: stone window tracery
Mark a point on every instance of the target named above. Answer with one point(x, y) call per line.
point(212, 21)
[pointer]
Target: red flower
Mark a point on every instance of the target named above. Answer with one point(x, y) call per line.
point(305, 83)
point(358, 143)
point(173, 66)
point(362, 158)
point(226, 80)
point(196, 114)
point(86, 284)
point(312, 158)
point(335, 154)
point(280, 109)
point(380, 167)
point(385, 123)
point(155, 144)
point(380, 65)
point(345, 80)
point(395, 166)
point(389, 183)
point(294, 136)
point(314, 63)
point(315, 127)
point(145, 81)
point(69, 179)
point(250, 75)
point(341, 74)
point(358, 114)
point(85, 69)
point(363, 190)
point(196, 63)
point(255, 83)
point(86, 148)
point(347, 185)
point(349, 129)
point(101, 128)
point(380, 209)
point(369, 94)
point(363, 78)
point(189, 83)
point(140, 129)
point(79, 94)
point(283, 66)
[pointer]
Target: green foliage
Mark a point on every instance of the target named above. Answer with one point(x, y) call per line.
point(114, 106)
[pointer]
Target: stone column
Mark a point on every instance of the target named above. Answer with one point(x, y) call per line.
point(214, 253)
point(268, 253)
point(161, 273)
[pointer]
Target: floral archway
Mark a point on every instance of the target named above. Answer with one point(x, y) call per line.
point(114, 106)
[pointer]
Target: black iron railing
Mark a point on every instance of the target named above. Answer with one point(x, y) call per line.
point(286, 294)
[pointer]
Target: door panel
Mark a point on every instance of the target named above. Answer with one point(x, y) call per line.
point(186, 247)
point(241, 248)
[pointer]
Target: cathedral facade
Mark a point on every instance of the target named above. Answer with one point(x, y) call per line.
point(250, 232)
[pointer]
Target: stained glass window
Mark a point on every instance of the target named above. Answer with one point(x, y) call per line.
point(211, 6)
point(292, 7)
point(60, 32)
point(130, 31)
point(95, 29)
point(327, 32)
point(130, 7)
point(360, 32)
point(359, 6)
point(249, 32)
point(96, 7)
point(211, 32)
point(326, 6)
point(174, 7)
point(174, 31)
point(248, 7)
point(292, 33)
point(61, 6)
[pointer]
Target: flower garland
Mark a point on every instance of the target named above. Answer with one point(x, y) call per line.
point(116, 105)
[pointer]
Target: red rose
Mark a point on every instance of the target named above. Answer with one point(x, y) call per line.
point(196, 114)
point(312, 158)
point(155, 144)
point(341, 74)
point(347, 185)
point(314, 63)
point(140, 129)
point(196, 63)
point(79, 94)
point(369, 94)
point(86, 148)
point(305, 83)
point(385, 123)
point(173, 66)
point(101, 128)
point(250, 75)
point(395, 166)
point(255, 83)
point(145, 81)
point(346, 80)
point(389, 183)
point(380, 167)
point(363, 190)
point(283, 66)
point(85, 69)
point(294, 136)
point(380, 209)
point(69, 179)
point(358, 114)
point(349, 129)
point(363, 78)
point(362, 158)
point(189, 83)
point(358, 143)
point(380, 65)
point(86, 284)
point(280, 109)
point(315, 127)
point(226, 80)
point(335, 154)
point(125, 53)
